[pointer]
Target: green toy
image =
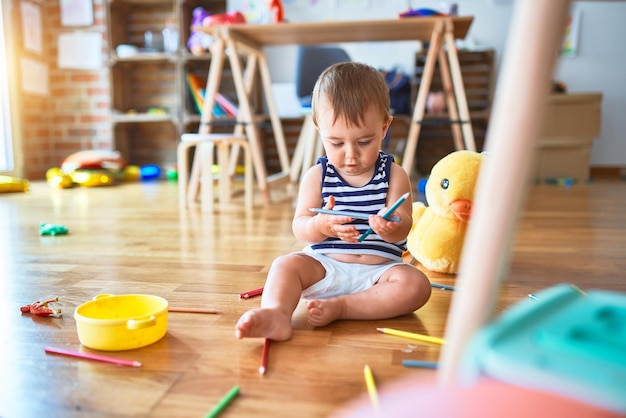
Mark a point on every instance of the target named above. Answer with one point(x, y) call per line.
point(52, 229)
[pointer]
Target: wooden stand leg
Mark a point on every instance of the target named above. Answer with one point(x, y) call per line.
point(183, 173)
point(298, 154)
point(248, 178)
point(450, 101)
point(193, 186)
point(422, 95)
point(213, 82)
point(205, 153)
point(458, 87)
point(245, 116)
point(277, 127)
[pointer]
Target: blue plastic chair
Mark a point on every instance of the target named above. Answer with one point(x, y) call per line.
point(311, 61)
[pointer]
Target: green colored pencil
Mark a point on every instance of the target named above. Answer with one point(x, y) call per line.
point(224, 402)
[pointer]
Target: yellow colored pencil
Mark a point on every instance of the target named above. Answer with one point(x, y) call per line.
point(371, 386)
point(412, 335)
point(579, 290)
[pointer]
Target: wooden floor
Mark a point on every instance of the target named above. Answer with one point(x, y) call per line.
point(132, 238)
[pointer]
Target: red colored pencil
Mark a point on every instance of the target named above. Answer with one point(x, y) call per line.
point(266, 350)
point(91, 356)
point(250, 293)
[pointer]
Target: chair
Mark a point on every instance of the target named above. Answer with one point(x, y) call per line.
point(311, 61)
point(227, 146)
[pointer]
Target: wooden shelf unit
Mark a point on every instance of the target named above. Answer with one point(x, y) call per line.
point(150, 100)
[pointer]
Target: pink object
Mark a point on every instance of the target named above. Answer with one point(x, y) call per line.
point(486, 399)
point(90, 356)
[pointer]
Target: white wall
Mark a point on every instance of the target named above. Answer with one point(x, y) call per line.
point(599, 66)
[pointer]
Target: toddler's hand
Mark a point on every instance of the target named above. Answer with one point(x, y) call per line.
point(335, 225)
point(381, 226)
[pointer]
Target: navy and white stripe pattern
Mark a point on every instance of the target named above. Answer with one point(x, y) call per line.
point(369, 199)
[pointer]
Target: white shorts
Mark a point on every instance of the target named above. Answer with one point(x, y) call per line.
point(344, 278)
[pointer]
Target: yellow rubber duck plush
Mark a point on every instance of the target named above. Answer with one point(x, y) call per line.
point(436, 238)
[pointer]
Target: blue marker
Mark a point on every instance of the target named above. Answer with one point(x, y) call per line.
point(387, 214)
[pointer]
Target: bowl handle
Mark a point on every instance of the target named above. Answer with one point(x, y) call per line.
point(141, 323)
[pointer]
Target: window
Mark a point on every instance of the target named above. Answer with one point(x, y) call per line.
point(6, 149)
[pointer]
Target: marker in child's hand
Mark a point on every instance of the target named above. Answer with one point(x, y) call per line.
point(387, 214)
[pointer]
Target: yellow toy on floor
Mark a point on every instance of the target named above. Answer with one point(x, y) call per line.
point(436, 238)
point(10, 184)
point(92, 168)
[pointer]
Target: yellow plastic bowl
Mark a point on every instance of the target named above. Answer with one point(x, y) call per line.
point(121, 322)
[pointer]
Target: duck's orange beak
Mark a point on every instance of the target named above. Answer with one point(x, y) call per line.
point(461, 208)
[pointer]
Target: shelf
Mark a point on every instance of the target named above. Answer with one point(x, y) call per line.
point(153, 80)
point(143, 117)
point(145, 56)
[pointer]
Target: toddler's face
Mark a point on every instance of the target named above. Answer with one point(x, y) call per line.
point(352, 150)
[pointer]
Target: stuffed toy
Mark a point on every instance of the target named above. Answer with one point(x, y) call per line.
point(200, 42)
point(277, 11)
point(91, 168)
point(436, 238)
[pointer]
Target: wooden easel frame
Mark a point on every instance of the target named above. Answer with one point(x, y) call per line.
point(226, 45)
point(442, 49)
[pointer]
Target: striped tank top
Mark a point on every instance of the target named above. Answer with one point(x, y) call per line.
point(368, 199)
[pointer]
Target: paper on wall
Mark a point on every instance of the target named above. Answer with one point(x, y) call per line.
point(80, 50)
point(34, 76)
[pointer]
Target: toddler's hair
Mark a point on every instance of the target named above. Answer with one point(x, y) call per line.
point(350, 88)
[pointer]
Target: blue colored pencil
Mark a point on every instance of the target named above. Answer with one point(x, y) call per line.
point(419, 363)
point(387, 214)
point(442, 286)
point(355, 215)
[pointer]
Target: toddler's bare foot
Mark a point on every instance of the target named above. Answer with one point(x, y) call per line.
point(324, 311)
point(265, 323)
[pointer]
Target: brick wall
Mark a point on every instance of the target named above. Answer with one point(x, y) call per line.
point(75, 116)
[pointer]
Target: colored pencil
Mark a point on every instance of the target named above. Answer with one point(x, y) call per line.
point(442, 286)
point(194, 310)
point(387, 214)
point(419, 363)
point(91, 356)
point(250, 293)
point(266, 350)
point(224, 402)
point(579, 290)
point(355, 215)
point(371, 386)
point(412, 335)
